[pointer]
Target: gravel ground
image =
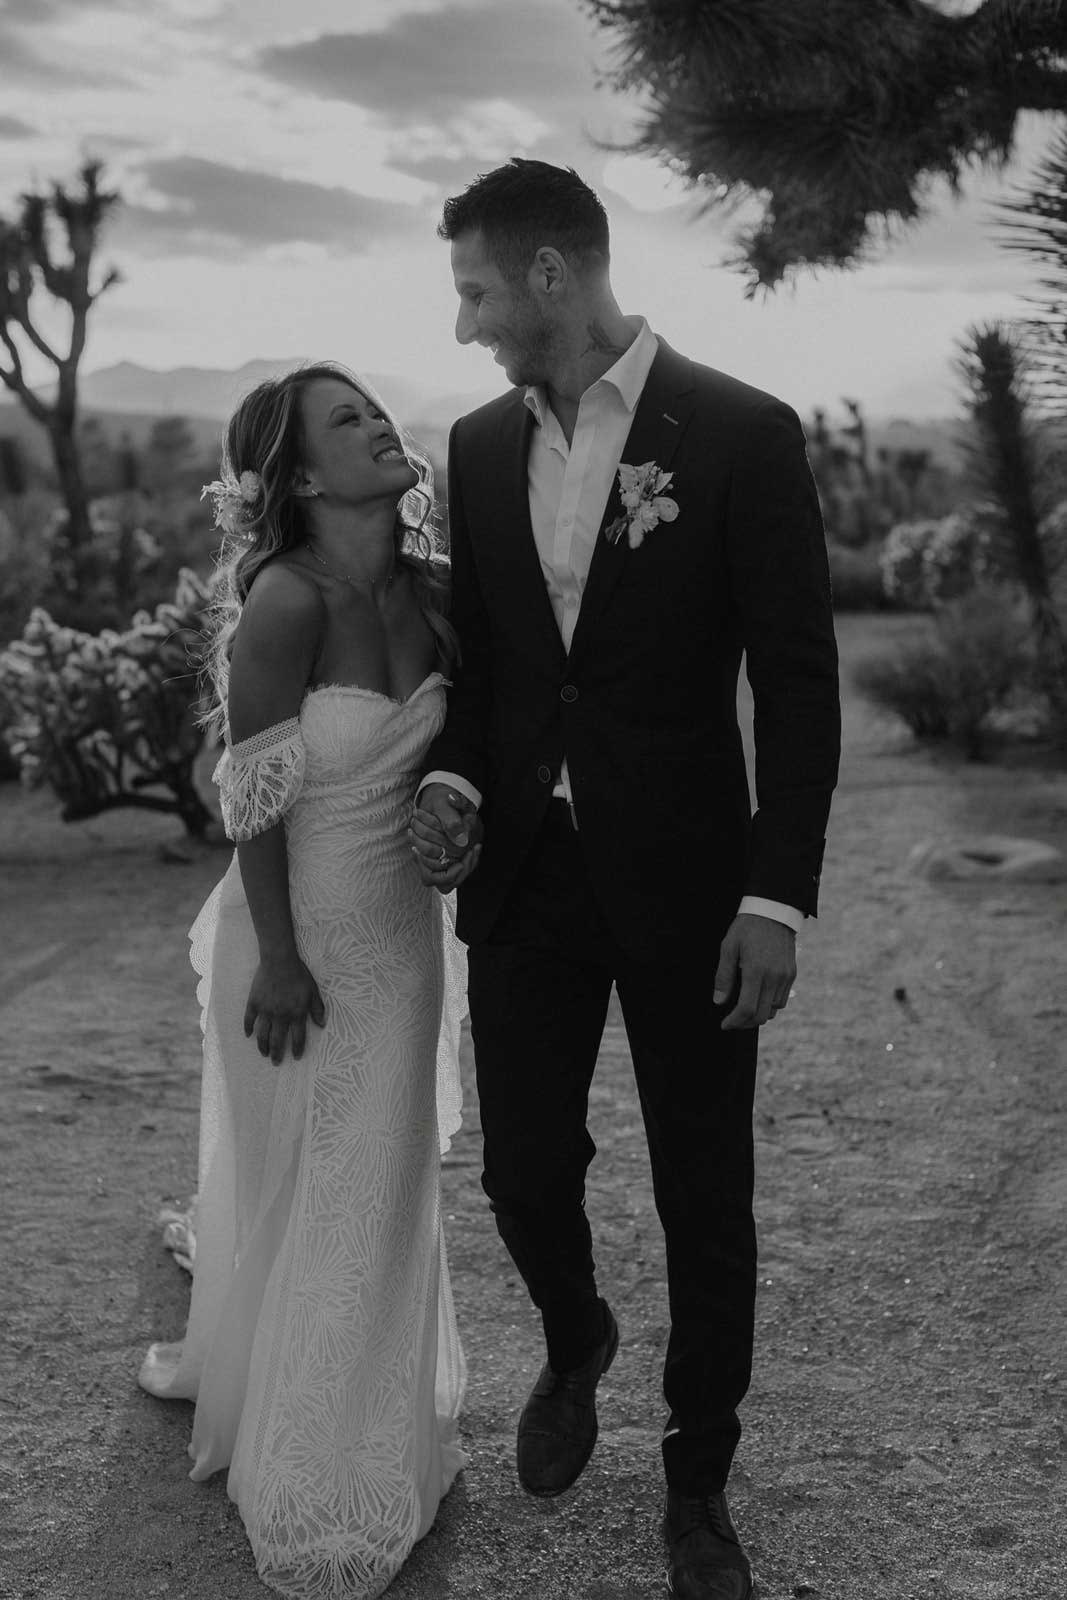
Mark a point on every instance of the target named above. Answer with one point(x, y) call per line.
point(904, 1431)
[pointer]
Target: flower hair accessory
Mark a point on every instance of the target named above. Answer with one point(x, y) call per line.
point(641, 489)
point(232, 496)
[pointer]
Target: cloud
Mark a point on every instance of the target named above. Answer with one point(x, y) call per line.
point(451, 173)
point(21, 61)
point(433, 68)
point(15, 128)
point(35, 11)
point(201, 205)
point(35, 60)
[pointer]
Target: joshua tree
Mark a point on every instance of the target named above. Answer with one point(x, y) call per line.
point(832, 115)
point(1007, 457)
point(13, 479)
point(49, 245)
point(1037, 224)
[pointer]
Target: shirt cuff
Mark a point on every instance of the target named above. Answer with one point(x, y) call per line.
point(454, 781)
point(753, 905)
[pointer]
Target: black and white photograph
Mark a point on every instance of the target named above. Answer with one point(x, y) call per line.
point(533, 799)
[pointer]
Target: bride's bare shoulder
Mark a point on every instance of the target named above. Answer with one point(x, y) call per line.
point(285, 590)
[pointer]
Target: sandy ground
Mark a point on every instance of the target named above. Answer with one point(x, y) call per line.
point(904, 1431)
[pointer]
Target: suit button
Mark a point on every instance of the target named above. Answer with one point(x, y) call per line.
point(544, 773)
point(568, 693)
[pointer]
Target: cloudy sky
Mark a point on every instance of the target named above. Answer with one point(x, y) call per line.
point(283, 162)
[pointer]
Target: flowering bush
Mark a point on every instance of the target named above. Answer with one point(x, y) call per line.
point(924, 564)
point(104, 717)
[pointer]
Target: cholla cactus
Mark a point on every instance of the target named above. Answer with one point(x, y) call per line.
point(103, 718)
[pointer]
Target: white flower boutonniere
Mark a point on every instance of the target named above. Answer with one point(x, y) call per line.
point(645, 503)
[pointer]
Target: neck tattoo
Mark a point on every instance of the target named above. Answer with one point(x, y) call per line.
point(345, 577)
point(599, 341)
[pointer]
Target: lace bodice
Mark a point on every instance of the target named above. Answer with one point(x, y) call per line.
point(348, 748)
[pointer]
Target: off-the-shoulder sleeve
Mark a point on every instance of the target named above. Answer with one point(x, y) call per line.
point(259, 779)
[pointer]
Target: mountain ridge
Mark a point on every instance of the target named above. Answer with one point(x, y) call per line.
point(214, 391)
point(128, 396)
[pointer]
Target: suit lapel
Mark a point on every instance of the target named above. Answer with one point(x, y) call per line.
point(655, 433)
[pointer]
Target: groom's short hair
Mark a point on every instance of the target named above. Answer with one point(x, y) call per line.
point(523, 205)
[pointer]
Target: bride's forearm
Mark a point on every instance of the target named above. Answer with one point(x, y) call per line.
point(264, 864)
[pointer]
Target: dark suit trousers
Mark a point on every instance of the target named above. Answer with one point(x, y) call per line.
point(539, 991)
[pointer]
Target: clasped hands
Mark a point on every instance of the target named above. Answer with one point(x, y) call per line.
point(445, 836)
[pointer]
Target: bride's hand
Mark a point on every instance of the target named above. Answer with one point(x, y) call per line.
point(282, 998)
point(442, 863)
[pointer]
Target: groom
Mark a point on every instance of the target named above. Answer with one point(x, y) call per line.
point(592, 734)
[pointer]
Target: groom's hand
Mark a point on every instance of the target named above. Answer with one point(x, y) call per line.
point(445, 835)
point(757, 961)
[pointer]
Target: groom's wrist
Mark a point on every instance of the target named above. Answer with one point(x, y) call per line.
point(754, 905)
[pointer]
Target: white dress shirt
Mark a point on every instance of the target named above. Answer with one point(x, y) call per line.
point(569, 487)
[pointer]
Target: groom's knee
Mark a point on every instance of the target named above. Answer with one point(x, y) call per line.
point(537, 1182)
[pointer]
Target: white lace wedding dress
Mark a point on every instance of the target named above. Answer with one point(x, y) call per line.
point(321, 1347)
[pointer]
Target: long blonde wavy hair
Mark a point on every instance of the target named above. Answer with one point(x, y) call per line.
point(265, 436)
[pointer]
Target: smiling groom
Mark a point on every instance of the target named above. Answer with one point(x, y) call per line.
point(624, 524)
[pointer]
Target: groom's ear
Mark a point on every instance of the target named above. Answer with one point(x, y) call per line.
point(548, 272)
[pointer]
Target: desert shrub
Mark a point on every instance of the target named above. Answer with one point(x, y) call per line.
point(25, 557)
point(138, 549)
point(945, 686)
point(928, 562)
point(139, 546)
point(103, 718)
point(856, 578)
point(864, 488)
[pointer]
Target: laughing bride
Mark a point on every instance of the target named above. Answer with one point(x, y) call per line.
point(321, 1347)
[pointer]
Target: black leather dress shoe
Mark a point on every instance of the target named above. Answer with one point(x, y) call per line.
point(705, 1558)
point(558, 1426)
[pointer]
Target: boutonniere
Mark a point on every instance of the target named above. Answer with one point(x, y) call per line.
point(641, 489)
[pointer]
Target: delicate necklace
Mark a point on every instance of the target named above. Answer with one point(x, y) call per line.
point(346, 578)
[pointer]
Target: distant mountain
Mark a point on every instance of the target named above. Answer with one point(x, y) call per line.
point(128, 398)
point(213, 392)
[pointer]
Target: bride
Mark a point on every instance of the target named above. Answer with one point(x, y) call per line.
point(321, 1347)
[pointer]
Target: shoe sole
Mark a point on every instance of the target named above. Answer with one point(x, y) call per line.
point(554, 1494)
point(749, 1594)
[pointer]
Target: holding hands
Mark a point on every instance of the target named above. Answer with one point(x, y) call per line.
point(446, 836)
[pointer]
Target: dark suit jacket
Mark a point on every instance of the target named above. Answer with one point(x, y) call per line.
point(644, 705)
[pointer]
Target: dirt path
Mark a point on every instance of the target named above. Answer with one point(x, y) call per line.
point(903, 1435)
